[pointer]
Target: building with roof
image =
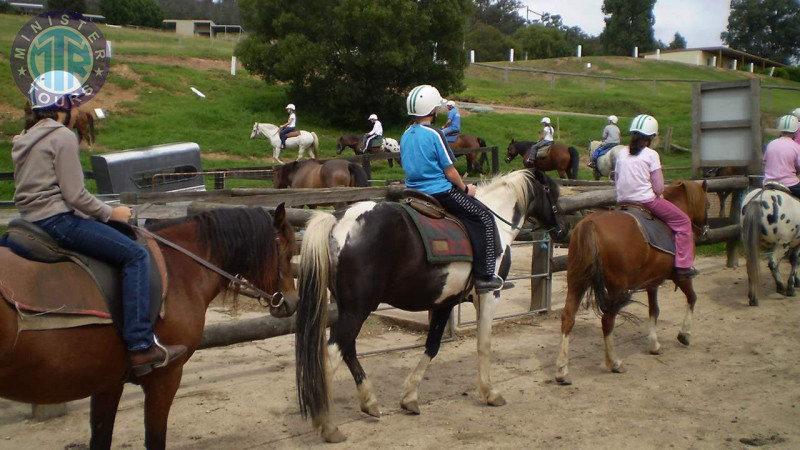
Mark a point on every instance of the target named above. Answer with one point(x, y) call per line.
point(203, 27)
point(722, 57)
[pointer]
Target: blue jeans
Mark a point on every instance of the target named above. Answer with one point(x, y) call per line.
point(283, 135)
point(448, 130)
point(601, 150)
point(102, 242)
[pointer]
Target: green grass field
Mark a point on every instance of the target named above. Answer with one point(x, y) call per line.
point(154, 70)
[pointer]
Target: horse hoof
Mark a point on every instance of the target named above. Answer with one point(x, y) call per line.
point(657, 351)
point(683, 338)
point(333, 435)
point(496, 399)
point(372, 410)
point(412, 407)
point(753, 302)
point(564, 381)
point(790, 293)
point(619, 368)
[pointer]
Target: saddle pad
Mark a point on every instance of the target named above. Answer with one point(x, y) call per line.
point(294, 133)
point(377, 142)
point(444, 239)
point(654, 231)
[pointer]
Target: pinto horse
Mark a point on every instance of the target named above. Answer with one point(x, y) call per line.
point(474, 164)
point(55, 366)
point(315, 174)
point(372, 253)
point(769, 219)
point(609, 256)
point(560, 157)
point(356, 142)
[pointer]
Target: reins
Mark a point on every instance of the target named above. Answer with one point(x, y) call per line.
point(274, 300)
point(548, 192)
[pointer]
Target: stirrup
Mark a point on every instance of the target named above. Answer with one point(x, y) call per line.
point(158, 343)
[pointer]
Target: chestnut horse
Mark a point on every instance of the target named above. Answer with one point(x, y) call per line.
point(56, 366)
point(474, 163)
point(314, 174)
point(560, 158)
point(609, 256)
point(84, 124)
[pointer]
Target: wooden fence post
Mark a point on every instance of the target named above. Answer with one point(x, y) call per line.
point(541, 271)
point(668, 140)
point(367, 167)
point(495, 161)
point(219, 181)
point(731, 247)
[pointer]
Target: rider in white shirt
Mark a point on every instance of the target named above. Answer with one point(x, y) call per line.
point(377, 131)
point(542, 146)
point(289, 126)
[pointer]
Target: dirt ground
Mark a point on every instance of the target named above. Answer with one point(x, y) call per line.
point(736, 386)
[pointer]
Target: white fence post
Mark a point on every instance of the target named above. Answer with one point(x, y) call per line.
point(471, 56)
point(750, 67)
point(580, 51)
point(233, 65)
point(635, 52)
point(658, 53)
point(511, 55)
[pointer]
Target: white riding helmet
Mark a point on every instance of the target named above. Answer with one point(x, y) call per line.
point(546, 120)
point(55, 90)
point(290, 106)
point(796, 113)
point(373, 117)
point(788, 124)
point(613, 119)
point(453, 104)
point(423, 100)
point(644, 124)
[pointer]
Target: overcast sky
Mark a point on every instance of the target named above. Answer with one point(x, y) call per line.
point(699, 21)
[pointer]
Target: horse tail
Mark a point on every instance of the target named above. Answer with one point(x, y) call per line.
point(315, 145)
point(584, 265)
point(751, 238)
point(574, 162)
point(313, 392)
point(90, 119)
point(359, 174)
point(484, 160)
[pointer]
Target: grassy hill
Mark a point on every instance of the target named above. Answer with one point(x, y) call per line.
point(148, 101)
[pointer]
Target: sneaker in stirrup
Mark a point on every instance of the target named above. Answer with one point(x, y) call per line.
point(487, 283)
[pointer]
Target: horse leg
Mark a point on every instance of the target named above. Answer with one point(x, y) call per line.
point(366, 395)
point(722, 197)
point(562, 174)
point(774, 263)
point(613, 363)
point(159, 391)
point(103, 412)
point(573, 301)
point(276, 154)
point(300, 151)
point(652, 337)
point(436, 329)
point(794, 258)
point(486, 303)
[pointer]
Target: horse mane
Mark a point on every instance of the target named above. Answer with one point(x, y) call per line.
point(694, 196)
point(238, 240)
point(520, 182)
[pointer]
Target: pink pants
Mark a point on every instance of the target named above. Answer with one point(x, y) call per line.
point(679, 222)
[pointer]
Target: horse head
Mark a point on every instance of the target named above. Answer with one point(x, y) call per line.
point(254, 134)
point(512, 151)
point(690, 197)
point(286, 305)
point(544, 206)
point(283, 175)
point(339, 145)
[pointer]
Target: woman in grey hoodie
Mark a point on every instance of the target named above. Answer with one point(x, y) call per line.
point(50, 193)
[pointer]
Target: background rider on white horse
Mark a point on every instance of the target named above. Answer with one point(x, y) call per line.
point(782, 156)
point(377, 131)
point(610, 140)
point(542, 146)
point(289, 126)
point(452, 127)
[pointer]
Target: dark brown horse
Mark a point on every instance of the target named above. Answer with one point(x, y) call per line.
point(475, 164)
point(61, 365)
point(560, 157)
point(608, 256)
point(728, 171)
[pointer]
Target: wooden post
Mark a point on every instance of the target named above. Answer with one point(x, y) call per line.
point(553, 82)
point(219, 181)
point(668, 140)
point(366, 165)
point(505, 75)
point(731, 249)
point(541, 271)
point(604, 84)
point(495, 161)
point(41, 413)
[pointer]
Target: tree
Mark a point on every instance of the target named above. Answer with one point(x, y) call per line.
point(767, 28)
point(540, 41)
point(501, 14)
point(677, 43)
point(349, 58)
point(78, 6)
point(145, 13)
point(629, 24)
point(489, 43)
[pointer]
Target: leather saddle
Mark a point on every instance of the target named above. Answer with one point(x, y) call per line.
point(654, 231)
point(42, 278)
point(293, 133)
point(774, 185)
point(452, 136)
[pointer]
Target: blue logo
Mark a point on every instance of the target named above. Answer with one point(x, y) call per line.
point(60, 53)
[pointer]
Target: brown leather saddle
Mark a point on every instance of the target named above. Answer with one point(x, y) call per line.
point(293, 133)
point(40, 277)
point(654, 231)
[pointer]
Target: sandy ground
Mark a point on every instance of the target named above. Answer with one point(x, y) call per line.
point(735, 386)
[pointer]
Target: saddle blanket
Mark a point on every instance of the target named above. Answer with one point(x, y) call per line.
point(444, 239)
point(654, 231)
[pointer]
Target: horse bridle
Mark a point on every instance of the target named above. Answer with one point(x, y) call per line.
point(274, 300)
point(551, 199)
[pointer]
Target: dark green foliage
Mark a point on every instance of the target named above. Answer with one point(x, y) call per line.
point(677, 43)
point(766, 28)
point(489, 43)
point(79, 6)
point(349, 58)
point(501, 14)
point(146, 13)
point(540, 42)
point(630, 25)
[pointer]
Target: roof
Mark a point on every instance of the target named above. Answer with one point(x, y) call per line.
point(726, 51)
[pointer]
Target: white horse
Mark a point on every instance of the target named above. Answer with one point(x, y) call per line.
point(605, 163)
point(306, 140)
point(770, 219)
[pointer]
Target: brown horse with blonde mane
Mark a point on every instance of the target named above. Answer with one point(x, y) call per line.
point(59, 365)
point(609, 256)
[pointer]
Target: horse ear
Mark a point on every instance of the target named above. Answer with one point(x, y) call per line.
point(279, 216)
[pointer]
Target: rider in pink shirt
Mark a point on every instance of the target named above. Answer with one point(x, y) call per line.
point(782, 156)
point(638, 179)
